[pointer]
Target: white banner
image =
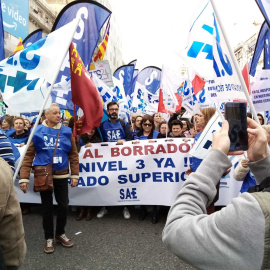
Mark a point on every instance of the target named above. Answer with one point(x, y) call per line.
point(132, 174)
point(260, 92)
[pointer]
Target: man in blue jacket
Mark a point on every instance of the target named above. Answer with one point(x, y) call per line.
point(115, 130)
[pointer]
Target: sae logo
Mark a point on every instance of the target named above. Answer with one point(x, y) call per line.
point(15, 17)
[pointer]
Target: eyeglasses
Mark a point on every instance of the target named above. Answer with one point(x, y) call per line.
point(113, 110)
point(147, 125)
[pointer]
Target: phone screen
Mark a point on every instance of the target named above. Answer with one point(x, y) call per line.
point(236, 115)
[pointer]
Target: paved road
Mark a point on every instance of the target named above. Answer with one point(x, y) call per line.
point(110, 243)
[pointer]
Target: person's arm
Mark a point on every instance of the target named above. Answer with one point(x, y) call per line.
point(73, 157)
point(240, 172)
point(27, 167)
point(232, 238)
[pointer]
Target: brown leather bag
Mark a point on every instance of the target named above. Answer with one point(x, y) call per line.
point(43, 176)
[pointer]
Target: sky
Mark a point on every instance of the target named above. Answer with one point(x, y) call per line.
point(155, 31)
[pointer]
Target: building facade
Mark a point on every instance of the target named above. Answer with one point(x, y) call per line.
point(245, 50)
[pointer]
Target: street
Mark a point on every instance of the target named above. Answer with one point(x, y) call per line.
point(108, 243)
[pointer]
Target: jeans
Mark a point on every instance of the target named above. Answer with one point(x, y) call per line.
point(61, 197)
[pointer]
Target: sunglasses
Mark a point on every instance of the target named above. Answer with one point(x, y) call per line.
point(147, 125)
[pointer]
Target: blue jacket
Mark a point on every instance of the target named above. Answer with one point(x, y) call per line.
point(139, 135)
point(44, 141)
point(112, 132)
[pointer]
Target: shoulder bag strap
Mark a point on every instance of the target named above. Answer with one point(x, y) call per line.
point(56, 144)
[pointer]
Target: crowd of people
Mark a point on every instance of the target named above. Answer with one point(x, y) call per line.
point(45, 148)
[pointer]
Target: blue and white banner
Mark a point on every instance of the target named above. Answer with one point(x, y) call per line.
point(16, 17)
point(32, 38)
point(260, 93)
point(150, 78)
point(24, 77)
point(154, 177)
point(61, 94)
point(125, 75)
point(204, 143)
point(199, 51)
point(2, 41)
point(93, 16)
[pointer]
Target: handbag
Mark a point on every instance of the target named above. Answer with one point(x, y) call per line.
point(43, 176)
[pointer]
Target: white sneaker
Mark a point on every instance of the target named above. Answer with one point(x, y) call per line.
point(126, 213)
point(102, 212)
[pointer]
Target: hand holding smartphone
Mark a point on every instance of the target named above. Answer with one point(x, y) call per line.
point(236, 115)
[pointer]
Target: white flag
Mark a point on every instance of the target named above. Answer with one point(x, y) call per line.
point(204, 144)
point(24, 77)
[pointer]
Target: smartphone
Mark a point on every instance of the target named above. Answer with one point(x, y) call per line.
point(236, 115)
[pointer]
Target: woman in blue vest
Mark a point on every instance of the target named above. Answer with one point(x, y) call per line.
point(147, 132)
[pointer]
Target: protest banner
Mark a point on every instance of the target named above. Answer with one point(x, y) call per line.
point(131, 174)
point(260, 92)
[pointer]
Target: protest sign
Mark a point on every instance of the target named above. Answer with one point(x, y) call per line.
point(260, 92)
point(132, 174)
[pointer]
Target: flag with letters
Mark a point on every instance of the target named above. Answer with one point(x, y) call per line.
point(24, 76)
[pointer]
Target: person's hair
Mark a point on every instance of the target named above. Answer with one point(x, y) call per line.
point(112, 103)
point(155, 114)
point(258, 114)
point(9, 120)
point(267, 129)
point(149, 118)
point(208, 113)
point(176, 123)
point(27, 120)
point(16, 118)
point(162, 123)
point(49, 109)
point(189, 125)
point(71, 122)
point(249, 115)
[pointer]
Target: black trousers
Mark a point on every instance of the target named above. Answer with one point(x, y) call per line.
point(61, 197)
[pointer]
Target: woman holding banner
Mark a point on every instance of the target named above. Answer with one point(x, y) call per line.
point(147, 130)
point(147, 133)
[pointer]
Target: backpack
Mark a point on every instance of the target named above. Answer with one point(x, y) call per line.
point(263, 187)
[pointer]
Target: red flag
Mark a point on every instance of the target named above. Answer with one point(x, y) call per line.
point(197, 84)
point(161, 106)
point(245, 74)
point(179, 99)
point(84, 94)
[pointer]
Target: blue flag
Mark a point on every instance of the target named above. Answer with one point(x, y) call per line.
point(265, 9)
point(150, 78)
point(125, 74)
point(260, 45)
point(93, 16)
point(32, 38)
point(2, 50)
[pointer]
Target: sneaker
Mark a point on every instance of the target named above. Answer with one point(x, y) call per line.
point(102, 212)
point(126, 213)
point(49, 246)
point(64, 240)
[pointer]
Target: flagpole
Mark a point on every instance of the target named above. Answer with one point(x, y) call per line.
point(239, 73)
point(43, 106)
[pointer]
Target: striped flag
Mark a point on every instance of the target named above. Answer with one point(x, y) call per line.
point(19, 46)
point(103, 45)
